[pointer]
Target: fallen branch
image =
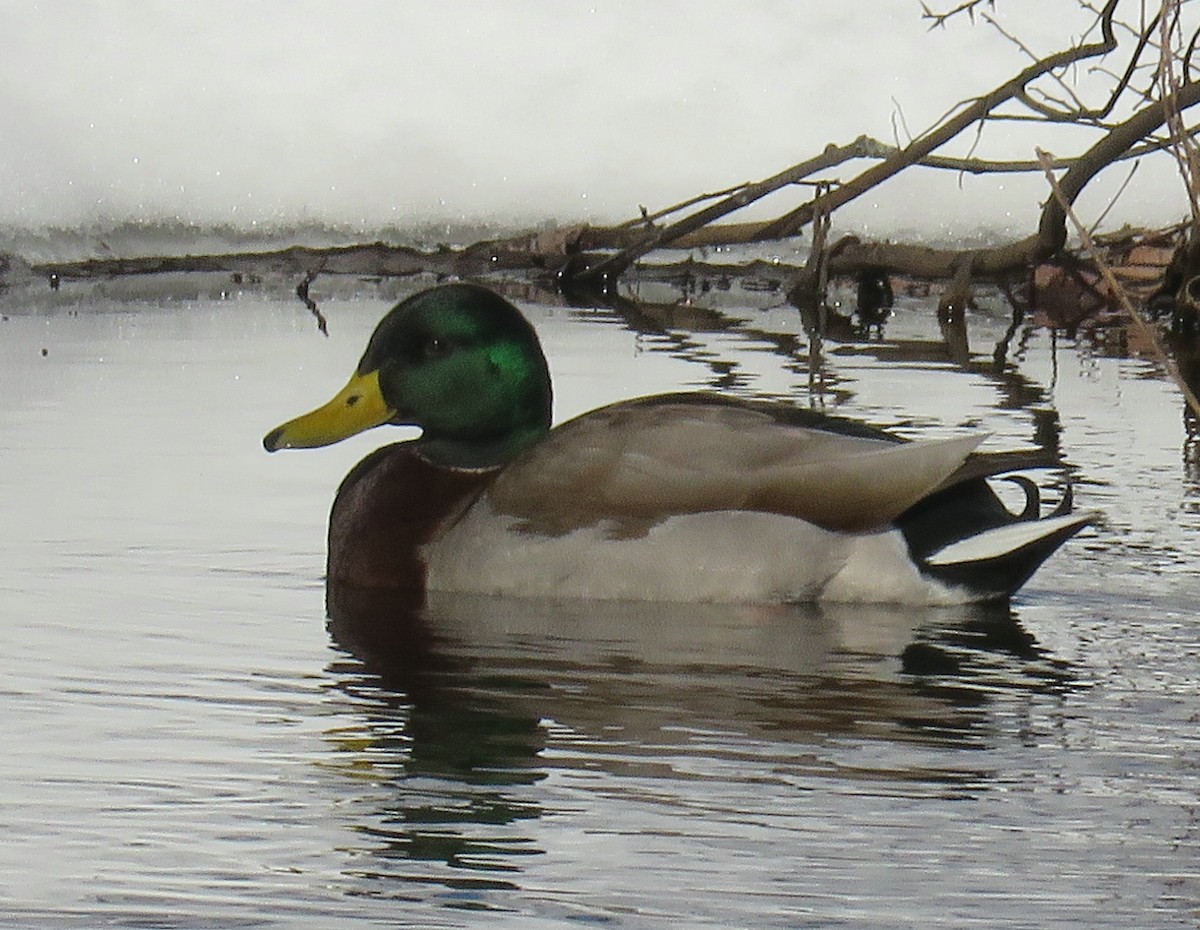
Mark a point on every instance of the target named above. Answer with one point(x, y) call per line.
point(606, 271)
point(972, 113)
point(850, 256)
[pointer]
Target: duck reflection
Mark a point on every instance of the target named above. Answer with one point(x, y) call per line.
point(468, 703)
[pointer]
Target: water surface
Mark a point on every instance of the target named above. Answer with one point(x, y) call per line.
point(190, 742)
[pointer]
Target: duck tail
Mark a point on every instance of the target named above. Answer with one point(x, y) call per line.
point(994, 563)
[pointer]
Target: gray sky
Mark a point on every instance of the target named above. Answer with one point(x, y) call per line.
point(374, 113)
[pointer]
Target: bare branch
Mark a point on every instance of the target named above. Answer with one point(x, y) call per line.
point(967, 6)
point(611, 268)
point(1112, 201)
point(926, 144)
point(851, 256)
point(1186, 64)
point(1183, 145)
point(1025, 97)
point(1058, 110)
point(648, 219)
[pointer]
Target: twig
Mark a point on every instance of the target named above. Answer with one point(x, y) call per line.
point(302, 293)
point(939, 19)
point(1183, 147)
point(647, 218)
point(898, 123)
point(971, 112)
point(1144, 329)
point(1112, 201)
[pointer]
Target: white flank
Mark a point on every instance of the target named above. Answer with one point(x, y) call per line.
point(724, 556)
point(705, 557)
point(881, 571)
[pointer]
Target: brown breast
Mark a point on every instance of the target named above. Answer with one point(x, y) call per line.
point(390, 504)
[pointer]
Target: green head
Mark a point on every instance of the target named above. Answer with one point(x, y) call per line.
point(459, 361)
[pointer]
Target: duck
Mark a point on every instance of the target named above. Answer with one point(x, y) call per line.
point(686, 496)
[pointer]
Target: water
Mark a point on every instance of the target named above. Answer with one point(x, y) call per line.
point(188, 743)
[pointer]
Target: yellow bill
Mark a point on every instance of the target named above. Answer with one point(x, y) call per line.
point(357, 407)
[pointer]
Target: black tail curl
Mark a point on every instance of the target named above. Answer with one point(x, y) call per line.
point(969, 508)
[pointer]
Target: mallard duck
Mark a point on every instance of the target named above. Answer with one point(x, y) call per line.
point(686, 496)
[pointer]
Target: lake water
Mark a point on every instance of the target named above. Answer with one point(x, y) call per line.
point(188, 742)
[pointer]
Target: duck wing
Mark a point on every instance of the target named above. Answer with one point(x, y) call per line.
point(637, 462)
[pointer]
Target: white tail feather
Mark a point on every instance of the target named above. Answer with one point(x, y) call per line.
point(991, 544)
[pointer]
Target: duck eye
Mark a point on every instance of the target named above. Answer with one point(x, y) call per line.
point(435, 347)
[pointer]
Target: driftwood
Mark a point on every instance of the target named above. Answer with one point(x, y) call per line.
point(376, 258)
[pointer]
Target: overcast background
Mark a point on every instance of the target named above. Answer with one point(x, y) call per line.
point(377, 114)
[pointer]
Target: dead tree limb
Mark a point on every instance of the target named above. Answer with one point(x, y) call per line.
point(919, 148)
point(569, 251)
point(609, 269)
point(851, 256)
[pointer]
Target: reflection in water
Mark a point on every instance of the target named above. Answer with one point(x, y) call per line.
point(466, 702)
point(1186, 351)
point(440, 744)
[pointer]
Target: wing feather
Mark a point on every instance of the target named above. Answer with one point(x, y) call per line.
point(647, 459)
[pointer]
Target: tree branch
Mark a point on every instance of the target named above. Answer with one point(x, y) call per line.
point(611, 268)
point(976, 110)
point(850, 256)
